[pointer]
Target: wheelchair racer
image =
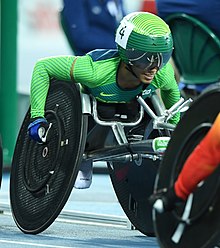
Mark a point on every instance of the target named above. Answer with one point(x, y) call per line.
point(201, 163)
point(144, 47)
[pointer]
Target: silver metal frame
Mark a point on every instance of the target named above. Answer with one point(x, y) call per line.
point(160, 118)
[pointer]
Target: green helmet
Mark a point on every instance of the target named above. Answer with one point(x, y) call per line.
point(144, 40)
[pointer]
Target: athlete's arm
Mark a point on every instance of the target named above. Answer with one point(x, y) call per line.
point(170, 94)
point(52, 67)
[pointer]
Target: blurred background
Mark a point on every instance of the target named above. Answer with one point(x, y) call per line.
point(29, 30)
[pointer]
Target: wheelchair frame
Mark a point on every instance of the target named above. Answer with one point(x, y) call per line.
point(142, 148)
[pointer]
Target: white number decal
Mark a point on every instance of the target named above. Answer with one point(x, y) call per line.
point(123, 32)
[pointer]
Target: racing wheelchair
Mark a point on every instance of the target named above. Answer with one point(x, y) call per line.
point(195, 223)
point(43, 175)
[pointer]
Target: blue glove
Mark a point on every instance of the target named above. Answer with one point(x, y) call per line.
point(37, 129)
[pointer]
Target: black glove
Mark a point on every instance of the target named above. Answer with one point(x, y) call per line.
point(165, 200)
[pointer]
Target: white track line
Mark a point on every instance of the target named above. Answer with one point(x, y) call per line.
point(33, 244)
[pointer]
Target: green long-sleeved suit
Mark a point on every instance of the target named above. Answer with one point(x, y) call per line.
point(97, 72)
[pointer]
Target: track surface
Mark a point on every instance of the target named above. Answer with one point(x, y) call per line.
point(91, 218)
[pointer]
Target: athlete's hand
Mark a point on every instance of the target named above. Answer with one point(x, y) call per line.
point(164, 200)
point(38, 129)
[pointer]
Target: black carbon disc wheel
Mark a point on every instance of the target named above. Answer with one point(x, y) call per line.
point(43, 175)
point(133, 184)
point(202, 229)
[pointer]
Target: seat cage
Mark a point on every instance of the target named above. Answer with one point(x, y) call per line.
point(160, 118)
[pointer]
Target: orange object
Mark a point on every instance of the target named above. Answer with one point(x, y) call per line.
point(204, 159)
point(149, 6)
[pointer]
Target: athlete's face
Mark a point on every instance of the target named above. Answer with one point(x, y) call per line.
point(145, 75)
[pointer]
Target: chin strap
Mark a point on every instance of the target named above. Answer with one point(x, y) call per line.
point(129, 68)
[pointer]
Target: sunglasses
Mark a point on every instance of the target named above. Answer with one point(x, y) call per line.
point(148, 61)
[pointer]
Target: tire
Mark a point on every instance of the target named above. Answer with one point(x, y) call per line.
point(203, 229)
point(43, 175)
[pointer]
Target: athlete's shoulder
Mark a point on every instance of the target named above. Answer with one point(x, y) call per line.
point(164, 77)
point(92, 68)
point(103, 54)
point(167, 69)
point(166, 72)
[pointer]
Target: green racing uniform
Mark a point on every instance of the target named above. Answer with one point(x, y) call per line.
point(97, 73)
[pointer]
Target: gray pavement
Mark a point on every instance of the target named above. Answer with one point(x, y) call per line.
point(91, 218)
